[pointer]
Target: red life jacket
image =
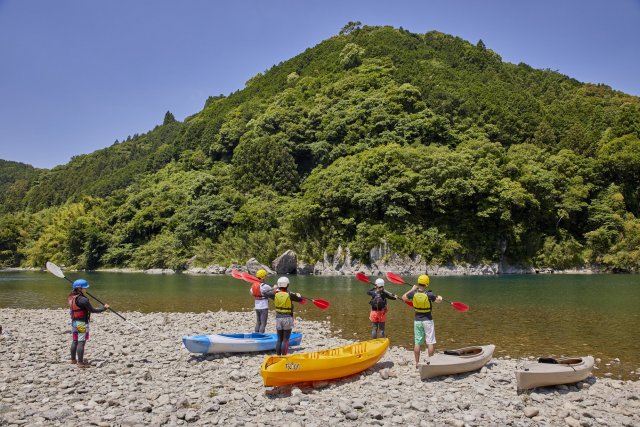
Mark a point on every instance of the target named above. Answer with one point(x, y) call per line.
point(76, 312)
point(255, 290)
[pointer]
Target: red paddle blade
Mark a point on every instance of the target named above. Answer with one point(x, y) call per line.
point(460, 306)
point(249, 278)
point(394, 278)
point(303, 302)
point(409, 303)
point(321, 304)
point(361, 277)
point(237, 274)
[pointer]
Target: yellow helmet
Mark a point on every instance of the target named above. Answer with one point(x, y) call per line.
point(261, 274)
point(423, 280)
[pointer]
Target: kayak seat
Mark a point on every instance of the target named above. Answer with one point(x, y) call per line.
point(464, 352)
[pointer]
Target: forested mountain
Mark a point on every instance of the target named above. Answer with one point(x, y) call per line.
point(15, 180)
point(423, 141)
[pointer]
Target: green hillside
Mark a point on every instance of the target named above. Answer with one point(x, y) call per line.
point(423, 141)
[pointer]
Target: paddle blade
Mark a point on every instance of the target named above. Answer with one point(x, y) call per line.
point(250, 278)
point(321, 304)
point(361, 277)
point(460, 306)
point(237, 274)
point(409, 303)
point(394, 278)
point(55, 270)
point(303, 301)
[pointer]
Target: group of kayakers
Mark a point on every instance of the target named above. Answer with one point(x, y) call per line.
point(418, 296)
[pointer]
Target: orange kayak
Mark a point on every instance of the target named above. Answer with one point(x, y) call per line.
point(323, 365)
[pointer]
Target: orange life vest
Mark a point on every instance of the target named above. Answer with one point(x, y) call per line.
point(255, 290)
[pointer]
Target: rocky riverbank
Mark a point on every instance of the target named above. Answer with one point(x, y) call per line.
point(148, 378)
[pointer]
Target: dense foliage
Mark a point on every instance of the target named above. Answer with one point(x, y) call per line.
point(423, 142)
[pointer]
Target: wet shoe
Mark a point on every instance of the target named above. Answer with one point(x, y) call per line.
point(73, 362)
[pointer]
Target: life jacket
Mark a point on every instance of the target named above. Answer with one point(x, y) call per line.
point(378, 302)
point(76, 311)
point(421, 302)
point(255, 290)
point(282, 302)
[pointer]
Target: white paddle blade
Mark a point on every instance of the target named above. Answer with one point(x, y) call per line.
point(55, 270)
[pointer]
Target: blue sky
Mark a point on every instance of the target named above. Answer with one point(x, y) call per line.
point(76, 75)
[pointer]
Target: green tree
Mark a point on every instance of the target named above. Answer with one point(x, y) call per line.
point(264, 161)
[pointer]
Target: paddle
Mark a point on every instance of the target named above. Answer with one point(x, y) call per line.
point(57, 271)
point(394, 278)
point(320, 303)
point(361, 277)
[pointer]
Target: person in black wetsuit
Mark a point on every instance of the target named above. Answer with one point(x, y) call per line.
point(81, 310)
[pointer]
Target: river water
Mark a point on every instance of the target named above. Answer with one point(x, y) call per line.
point(523, 315)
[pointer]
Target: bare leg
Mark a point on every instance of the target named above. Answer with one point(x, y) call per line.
point(431, 348)
point(416, 353)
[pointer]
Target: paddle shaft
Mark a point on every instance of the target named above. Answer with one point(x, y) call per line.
point(115, 312)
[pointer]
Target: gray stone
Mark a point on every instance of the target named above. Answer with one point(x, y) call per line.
point(572, 422)
point(531, 411)
point(287, 263)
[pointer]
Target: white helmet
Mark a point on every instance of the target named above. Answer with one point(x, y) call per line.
point(283, 282)
point(379, 282)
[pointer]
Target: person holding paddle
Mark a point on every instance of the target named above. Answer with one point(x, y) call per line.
point(81, 310)
point(284, 313)
point(423, 328)
point(378, 313)
point(258, 290)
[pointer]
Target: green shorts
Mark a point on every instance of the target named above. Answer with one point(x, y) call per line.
point(424, 332)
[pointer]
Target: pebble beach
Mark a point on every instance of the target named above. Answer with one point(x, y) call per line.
point(148, 378)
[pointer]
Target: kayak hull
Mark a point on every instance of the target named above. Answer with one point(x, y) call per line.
point(566, 370)
point(461, 360)
point(235, 343)
point(322, 365)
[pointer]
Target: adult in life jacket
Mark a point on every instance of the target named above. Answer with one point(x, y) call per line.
point(423, 328)
point(258, 290)
point(81, 310)
point(284, 313)
point(378, 314)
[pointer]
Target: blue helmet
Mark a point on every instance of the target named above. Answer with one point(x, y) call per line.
point(80, 283)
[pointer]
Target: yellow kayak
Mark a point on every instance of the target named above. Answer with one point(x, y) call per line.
point(322, 365)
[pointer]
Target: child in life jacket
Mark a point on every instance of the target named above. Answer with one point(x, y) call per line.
point(378, 314)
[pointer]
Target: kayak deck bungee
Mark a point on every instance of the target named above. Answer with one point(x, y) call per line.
point(548, 371)
point(236, 343)
point(456, 361)
point(323, 365)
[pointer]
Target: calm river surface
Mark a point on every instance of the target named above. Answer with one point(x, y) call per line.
point(523, 315)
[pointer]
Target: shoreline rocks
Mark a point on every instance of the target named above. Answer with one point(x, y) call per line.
point(149, 378)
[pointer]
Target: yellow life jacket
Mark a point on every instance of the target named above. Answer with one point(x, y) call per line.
point(421, 302)
point(282, 302)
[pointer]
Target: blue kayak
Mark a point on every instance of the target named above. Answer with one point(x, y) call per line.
point(235, 343)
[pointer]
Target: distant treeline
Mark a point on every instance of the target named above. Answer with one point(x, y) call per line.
point(424, 142)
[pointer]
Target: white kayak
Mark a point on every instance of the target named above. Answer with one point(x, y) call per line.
point(236, 343)
point(548, 371)
point(456, 361)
